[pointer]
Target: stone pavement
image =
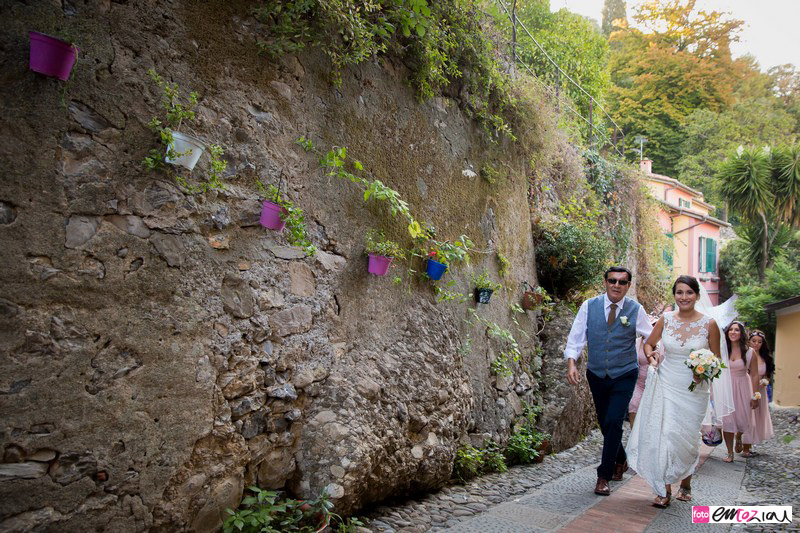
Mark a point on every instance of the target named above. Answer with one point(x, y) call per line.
point(556, 495)
point(568, 504)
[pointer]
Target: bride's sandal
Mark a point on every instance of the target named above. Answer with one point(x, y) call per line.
point(663, 501)
point(684, 494)
point(728, 458)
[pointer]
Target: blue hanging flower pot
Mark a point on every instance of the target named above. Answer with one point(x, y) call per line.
point(435, 269)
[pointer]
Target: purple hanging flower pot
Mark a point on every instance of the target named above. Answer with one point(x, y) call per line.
point(51, 56)
point(271, 216)
point(379, 264)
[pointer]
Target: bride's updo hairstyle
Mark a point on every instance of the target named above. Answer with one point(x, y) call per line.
point(742, 338)
point(687, 280)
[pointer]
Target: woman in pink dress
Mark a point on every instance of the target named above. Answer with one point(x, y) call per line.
point(762, 430)
point(741, 420)
point(633, 406)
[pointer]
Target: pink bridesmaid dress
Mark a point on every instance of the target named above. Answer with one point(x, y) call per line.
point(762, 429)
point(741, 420)
point(633, 406)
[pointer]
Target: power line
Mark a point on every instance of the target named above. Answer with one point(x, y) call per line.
point(514, 20)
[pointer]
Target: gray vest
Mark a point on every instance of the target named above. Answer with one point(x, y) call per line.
point(612, 349)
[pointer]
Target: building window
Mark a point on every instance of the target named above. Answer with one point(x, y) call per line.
point(684, 203)
point(707, 255)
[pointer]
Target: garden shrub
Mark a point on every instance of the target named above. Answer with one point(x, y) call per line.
point(782, 282)
point(570, 256)
point(524, 444)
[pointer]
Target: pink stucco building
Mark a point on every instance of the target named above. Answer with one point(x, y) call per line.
point(694, 233)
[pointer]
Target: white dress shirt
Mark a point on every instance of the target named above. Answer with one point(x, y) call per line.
point(576, 340)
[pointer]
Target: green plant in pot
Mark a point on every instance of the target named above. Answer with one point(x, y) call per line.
point(534, 298)
point(381, 252)
point(484, 287)
point(285, 214)
point(442, 254)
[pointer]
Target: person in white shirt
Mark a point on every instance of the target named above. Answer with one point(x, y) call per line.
point(609, 324)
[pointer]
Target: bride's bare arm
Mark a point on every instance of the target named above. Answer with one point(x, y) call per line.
point(714, 338)
point(652, 341)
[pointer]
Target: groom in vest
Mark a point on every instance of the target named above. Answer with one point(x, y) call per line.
point(609, 323)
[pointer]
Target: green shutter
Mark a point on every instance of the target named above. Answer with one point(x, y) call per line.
point(710, 255)
point(713, 256)
point(700, 255)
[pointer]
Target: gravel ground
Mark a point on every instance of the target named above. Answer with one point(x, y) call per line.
point(773, 476)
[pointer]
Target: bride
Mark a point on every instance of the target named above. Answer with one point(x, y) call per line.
point(665, 441)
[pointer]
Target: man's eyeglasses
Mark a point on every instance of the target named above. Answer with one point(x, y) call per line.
point(612, 281)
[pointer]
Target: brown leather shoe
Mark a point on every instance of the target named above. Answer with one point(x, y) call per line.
point(619, 470)
point(602, 487)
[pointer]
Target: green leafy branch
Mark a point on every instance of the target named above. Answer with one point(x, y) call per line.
point(266, 511)
point(510, 353)
point(177, 108)
point(482, 281)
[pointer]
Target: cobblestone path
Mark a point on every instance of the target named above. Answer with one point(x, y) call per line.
point(556, 495)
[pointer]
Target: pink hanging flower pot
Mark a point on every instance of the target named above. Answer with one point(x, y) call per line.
point(50, 56)
point(379, 264)
point(271, 216)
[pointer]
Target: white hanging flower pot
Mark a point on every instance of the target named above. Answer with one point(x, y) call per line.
point(184, 150)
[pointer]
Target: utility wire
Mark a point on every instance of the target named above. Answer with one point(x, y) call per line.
point(515, 20)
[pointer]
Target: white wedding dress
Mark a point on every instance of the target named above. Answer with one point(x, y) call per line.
point(664, 444)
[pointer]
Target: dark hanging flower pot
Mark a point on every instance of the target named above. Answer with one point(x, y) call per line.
point(51, 56)
point(482, 295)
point(531, 300)
point(435, 269)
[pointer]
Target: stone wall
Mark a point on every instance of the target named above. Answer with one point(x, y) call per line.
point(162, 350)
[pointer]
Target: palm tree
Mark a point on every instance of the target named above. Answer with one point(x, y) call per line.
point(744, 181)
point(786, 176)
point(763, 188)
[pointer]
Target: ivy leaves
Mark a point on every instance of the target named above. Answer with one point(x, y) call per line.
point(414, 15)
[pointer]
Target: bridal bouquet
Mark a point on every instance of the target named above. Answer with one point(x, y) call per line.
point(704, 365)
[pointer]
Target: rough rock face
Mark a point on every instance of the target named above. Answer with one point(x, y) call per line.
point(569, 412)
point(162, 350)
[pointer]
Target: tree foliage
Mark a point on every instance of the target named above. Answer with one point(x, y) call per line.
point(677, 24)
point(758, 117)
point(613, 10)
point(762, 186)
point(571, 41)
point(782, 282)
point(679, 62)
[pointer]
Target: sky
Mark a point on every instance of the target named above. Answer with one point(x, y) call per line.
point(771, 32)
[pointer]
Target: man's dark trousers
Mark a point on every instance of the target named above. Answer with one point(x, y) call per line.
point(611, 398)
